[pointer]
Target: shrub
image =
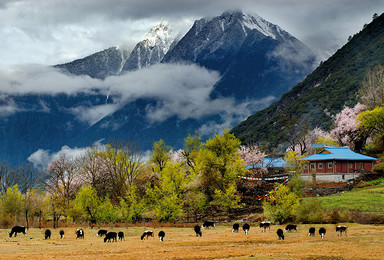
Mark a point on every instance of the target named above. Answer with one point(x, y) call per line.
point(367, 218)
point(379, 169)
point(336, 216)
point(310, 211)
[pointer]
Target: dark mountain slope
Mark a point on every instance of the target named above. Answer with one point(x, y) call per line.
point(327, 90)
point(99, 65)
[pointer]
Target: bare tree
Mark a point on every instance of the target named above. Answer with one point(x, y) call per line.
point(372, 91)
point(93, 170)
point(25, 176)
point(294, 132)
point(62, 186)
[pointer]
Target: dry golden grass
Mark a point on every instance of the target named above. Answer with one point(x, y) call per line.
point(362, 242)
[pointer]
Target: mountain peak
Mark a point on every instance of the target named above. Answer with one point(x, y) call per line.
point(247, 21)
point(152, 49)
point(160, 33)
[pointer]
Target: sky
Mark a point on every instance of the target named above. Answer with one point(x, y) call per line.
point(50, 32)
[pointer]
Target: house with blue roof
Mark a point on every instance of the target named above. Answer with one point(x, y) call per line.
point(338, 161)
point(273, 166)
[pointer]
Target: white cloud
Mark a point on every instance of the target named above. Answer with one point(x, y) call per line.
point(42, 158)
point(180, 90)
point(7, 106)
point(93, 114)
point(41, 79)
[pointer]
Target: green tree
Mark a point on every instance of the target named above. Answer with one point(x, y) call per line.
point(12, 202)
point(195, 202)
point(219, 164)
point(160, 155)
point(106, 211)
point(228, 199)
point(281, 205)
point(373, 121)
point(132, 206)
point(192, 147)
point(295, 168)
point(86, 204)
point(166, 199)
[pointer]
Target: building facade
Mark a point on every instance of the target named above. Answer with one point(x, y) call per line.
point(337, 164)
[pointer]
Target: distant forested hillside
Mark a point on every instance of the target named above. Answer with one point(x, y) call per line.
point(333, 85)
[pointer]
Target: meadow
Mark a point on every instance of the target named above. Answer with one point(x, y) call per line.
point(367, 199)
point(362, 242)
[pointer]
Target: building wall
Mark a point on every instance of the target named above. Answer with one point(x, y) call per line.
point(332, 177)
point(338, 166)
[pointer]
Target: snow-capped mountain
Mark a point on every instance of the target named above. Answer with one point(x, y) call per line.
point(255, 58)
point(222, 70)
point(151, 50)
point(114, 60)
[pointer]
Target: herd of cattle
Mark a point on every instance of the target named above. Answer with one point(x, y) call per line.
point(115, 236)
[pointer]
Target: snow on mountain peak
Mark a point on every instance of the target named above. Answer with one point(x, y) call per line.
point(159, 35)
point(247, 21)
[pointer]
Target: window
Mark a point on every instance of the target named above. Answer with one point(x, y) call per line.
point(320, 165)
point(305, 167)
point(313, 165)
point(330, 165)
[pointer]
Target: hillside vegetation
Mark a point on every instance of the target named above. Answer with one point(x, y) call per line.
point(325, 92)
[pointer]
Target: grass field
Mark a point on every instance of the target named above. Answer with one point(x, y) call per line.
point(368, 199)
point(362, 242)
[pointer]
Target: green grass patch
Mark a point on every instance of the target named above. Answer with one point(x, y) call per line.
point(368, 200)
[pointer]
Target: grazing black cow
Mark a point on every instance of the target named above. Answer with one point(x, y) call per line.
point(264, 225)
point(280, 234)
point(340, 229)
point(101, 232)
point(147, 233)
point(47, 234)
point(235, 227)
point(61, 233)
point(311, 232)
point(161, 235)
point(246, 228)
point(79, 233)
point(198, 230)
point(322, 232)
point(17, 229)
point(291, 227)
point(109, 236)
point(120, 236)
point(208, 224)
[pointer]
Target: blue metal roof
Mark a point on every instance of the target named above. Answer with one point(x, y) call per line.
point(269, 162)
point(337, 154)
point(322, 145)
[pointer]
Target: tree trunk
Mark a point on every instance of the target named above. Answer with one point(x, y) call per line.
point(314, 180)
point(26, 218)
point(54, 220)
point(40, 213)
